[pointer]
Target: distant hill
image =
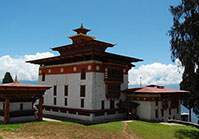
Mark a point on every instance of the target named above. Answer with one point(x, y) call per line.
point(172, 86)
point(29, 82)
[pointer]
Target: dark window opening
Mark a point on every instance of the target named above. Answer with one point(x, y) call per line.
point(55, 90)
point(112, 103)
point(102, 104)
point(114, 74)
point(66, 90)
point(21, 107)
point(43, 76)
point(83, 74)
point(169, 111)
point(113, 90)
point(156, 113)
point(66, 102)
point(174, 102)
point(3, 106)
point(162, 112)
point(82, 90)
point(177, 109)
point(55, 101)
point(82, 103)
point(156, 103)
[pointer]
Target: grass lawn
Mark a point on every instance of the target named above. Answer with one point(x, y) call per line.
point(69, 130)
point(149, 130)
point(144, 130)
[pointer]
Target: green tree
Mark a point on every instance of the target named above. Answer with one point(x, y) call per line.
point(7, 78)
point(185, 46)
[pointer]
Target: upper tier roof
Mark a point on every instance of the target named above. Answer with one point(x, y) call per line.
point(81, 30)
point(84, 47)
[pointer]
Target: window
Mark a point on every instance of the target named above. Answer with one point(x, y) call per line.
point(112, 90)
point(112, 104)
point(114, 74)
point(82, 90)
point(66, 102)
point(83, 74)
point(82, 103)
point(156, 102)
point(156, 113)
point(169, 111)
point(66, 90)
point(102, 104)
point(3, 106)
point(174, 102)
point(55, 101)
point(55, 90)
point(162, 112)
point(177, 109)
point(21, 107)
point(43, 76)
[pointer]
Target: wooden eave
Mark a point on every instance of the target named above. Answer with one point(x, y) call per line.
point(65, 58)
point(81, 35)
point(120, 57)
point(16, 88)
point(90, 42)
point(81, 29)
point(23, 89)
point(87, 55)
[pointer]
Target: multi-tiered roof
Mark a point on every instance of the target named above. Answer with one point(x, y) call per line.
point(84, 47)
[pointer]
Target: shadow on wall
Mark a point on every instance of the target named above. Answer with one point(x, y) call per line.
point(183, 133)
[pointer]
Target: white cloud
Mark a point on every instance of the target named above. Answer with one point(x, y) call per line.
point(156, 73)
point(18, 66)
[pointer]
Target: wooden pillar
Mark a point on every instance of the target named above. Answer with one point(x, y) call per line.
point(40, 112)
point(6, 111)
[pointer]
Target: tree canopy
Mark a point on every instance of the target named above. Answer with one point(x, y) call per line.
point(185, 46)
point(7, 78)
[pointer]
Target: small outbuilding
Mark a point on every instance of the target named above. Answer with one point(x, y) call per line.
point(17, 102)
point(154, 103)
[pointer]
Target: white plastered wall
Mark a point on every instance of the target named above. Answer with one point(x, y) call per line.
point(15, 106)
point(73, 81)
point(167, 116)
point(99, 91)
point(95, 93)
point(146, 111)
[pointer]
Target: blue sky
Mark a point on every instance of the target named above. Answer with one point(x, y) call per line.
point(138, 27)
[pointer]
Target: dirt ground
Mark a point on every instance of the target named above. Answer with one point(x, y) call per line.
point(62, 131)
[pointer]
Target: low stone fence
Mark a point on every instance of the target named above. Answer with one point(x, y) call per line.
point(183, 122)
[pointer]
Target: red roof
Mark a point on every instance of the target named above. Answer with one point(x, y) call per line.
point(154, 89)
point(20, 85)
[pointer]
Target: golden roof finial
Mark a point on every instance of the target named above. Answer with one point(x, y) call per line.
point(16, 80)
point(82, 25)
